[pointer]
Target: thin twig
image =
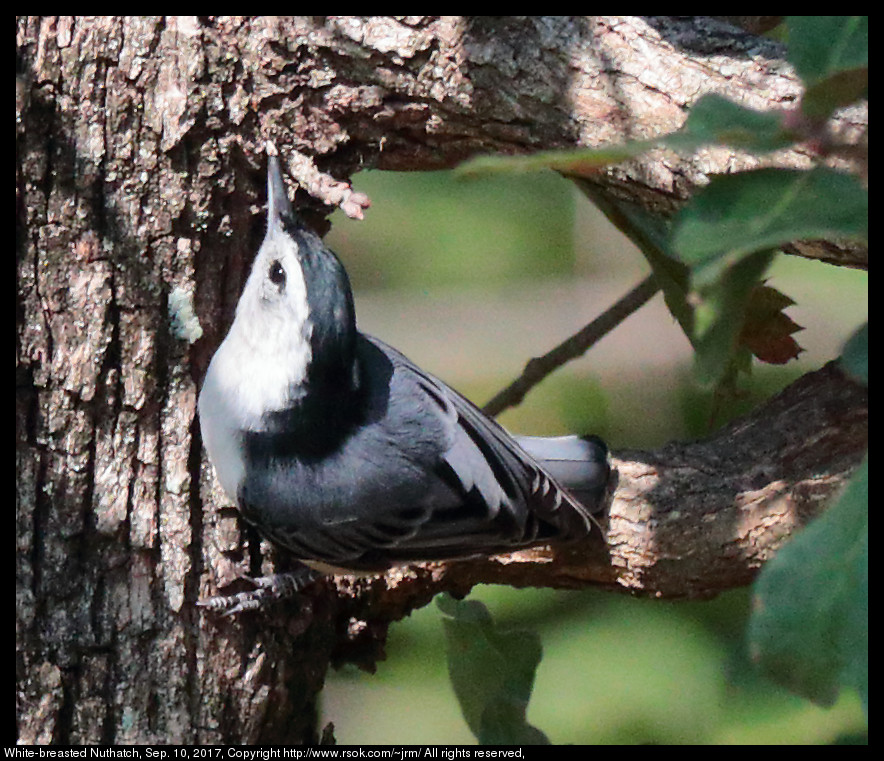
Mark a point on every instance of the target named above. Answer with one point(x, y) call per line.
point(539, 368)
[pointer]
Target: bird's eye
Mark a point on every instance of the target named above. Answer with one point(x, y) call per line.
point(276, 274)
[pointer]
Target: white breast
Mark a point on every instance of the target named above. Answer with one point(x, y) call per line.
point(221, 433)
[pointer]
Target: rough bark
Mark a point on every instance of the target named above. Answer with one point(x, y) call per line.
point(139, 171)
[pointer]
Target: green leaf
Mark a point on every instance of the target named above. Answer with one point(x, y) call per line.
point(579, 162)
point(749, 211)
point(714, 119)
point(720, 306)
point(839, 90)
point(831, 54)
point(855, 356)
point(492, 672)
point(820, 46)
point(810, 627)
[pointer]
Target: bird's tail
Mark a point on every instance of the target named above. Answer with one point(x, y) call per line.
point(579, 463)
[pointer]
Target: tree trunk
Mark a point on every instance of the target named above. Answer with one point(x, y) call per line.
point(139, 177)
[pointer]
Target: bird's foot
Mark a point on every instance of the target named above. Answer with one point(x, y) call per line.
point(268, 590)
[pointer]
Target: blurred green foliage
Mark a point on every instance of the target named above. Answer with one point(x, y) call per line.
point(492, 670)
point(811, 625)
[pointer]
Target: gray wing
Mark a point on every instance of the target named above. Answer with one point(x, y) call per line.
point(426, 476)
point(487, 461)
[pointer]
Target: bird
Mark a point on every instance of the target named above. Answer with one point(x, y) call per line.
point(340, 450)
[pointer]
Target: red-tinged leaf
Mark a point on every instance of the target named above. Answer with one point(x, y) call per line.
point(767, 330)
point(771, 348)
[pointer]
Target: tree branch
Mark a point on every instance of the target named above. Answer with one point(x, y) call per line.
point(572, 347)
point(438, 90)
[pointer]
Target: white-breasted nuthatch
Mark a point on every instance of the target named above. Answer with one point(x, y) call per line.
point(339, 449)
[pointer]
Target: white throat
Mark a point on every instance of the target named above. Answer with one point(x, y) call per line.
point(260, 366)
